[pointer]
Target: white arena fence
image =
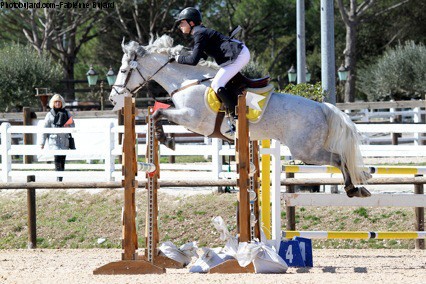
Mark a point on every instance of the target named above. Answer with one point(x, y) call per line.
point(97, 139)
point(391, 111)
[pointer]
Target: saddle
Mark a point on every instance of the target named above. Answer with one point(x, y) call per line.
point(236, 86)
point(240, 82)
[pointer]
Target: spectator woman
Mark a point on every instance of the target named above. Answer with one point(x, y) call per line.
point(58, 116)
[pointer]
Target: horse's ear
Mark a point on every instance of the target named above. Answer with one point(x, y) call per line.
point(123, 46)
point(133, 48)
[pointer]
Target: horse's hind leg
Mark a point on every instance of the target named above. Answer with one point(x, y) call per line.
point(351, 190)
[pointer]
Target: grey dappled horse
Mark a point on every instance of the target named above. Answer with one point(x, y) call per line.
point(316, 133)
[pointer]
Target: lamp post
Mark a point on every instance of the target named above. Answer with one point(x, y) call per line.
point(292, 75)
point(92, 79)
point(308, 75)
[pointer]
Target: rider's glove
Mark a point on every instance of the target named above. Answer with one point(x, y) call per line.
point(173, 58)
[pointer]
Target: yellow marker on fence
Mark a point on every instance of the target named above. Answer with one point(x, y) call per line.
point(266, 190)
point(352, 235)
point(382, 170)
point(348, 235)
point(397, 170)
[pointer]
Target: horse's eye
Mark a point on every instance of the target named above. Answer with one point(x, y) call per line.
point(123, 70)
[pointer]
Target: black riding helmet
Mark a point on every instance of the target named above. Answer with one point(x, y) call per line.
point(189, 14)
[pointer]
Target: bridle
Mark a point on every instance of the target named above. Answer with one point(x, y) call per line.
point(134, 66)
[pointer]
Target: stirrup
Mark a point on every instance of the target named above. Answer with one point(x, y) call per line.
point(232, 127)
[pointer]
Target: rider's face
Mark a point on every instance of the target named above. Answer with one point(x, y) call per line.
point(185, 27)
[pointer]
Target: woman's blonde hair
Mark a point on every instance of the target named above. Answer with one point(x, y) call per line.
point(56, 97)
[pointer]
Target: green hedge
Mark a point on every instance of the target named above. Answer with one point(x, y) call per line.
point(22, 69)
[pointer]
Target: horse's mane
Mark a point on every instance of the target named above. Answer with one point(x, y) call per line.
point(162, 44)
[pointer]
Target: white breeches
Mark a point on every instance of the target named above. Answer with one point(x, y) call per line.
point(227, 72)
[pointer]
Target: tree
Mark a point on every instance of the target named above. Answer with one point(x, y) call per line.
point(58, 31)
point(21, 70)
point(139, 20)
point(399, 74)
point(269, 28)
point(353, 15)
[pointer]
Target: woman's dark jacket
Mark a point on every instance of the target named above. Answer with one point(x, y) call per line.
point(56, 118)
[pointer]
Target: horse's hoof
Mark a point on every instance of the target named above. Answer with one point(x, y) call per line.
point(358, 192)
point(171, 144)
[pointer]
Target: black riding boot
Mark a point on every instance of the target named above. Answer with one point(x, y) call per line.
point(227, 100)
point(229, 103)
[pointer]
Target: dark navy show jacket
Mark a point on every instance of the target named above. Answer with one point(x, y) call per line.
point(208, 42)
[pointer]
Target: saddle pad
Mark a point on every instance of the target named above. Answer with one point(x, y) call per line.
point(253, 115)
point(212, 100)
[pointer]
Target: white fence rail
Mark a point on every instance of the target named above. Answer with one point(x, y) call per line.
point(368, 115)
point(375, 200)
point(409, 111)
point(99, 141)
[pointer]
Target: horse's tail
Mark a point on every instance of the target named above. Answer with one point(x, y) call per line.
point(343, 139)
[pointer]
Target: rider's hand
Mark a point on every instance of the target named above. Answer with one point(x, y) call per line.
point(173, 58)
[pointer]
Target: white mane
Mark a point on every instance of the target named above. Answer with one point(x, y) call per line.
point(164, 45)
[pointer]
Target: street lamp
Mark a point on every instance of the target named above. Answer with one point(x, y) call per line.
point(343, 73)
point(111, 77)
point(92, 76)
point(308, 75)
point(292, 74)
point(92, 79)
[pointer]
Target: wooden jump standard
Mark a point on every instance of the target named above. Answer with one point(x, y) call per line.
point(247, 184)
point(151, 262)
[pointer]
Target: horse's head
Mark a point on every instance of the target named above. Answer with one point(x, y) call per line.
point(139, 65)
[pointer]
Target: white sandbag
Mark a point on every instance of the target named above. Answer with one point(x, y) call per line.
point(209, 259)
point(268, 261)
point(189, 249)
point(225, 256)
point(247, 252)
point(220, 226)
point(182, 255)
point(231, 246)
point(265, 259)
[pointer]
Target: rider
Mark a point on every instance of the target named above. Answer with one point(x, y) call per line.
point(231, 55)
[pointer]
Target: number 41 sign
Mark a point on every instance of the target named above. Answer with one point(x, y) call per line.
point(297, 252)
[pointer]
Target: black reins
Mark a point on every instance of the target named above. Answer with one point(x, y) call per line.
point(145, 81)
point(141, 85)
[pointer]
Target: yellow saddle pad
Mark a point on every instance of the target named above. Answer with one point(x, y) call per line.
point(256, 105)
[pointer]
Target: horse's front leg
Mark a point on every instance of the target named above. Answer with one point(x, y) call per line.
point(182, 116)
point(159, 131)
